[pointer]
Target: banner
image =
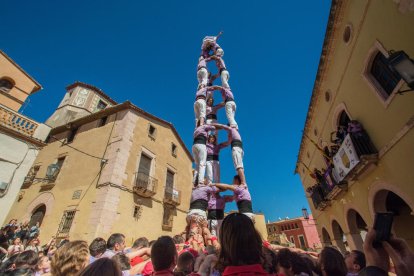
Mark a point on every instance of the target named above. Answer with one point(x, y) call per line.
point(345, 159)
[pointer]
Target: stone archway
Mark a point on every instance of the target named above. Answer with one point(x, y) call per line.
point(339, 237)
point(388, 201)
point(38, 215)
point(326, 238)
point(357, 229)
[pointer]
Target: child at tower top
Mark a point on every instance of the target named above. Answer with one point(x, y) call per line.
point(200, 151)
point(210, 44)
point(241, 196)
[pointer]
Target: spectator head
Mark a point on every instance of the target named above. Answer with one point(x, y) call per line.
point(178, 239)
point(97, 247)
point(331, 262)
point(140, 243)
point(34, 242)
point(9, 264)
point(236, 180)
point(102, 267)
point(62, 243)
point(185, 263)
point(27, 259)
point(151, 243)
point(355, 261)
point(270, 261)
point(70, 258)
point(17, 241)
point(43, 265)
point(163, 254)
point(122, 260)
point(239, 247)
point(116, 242)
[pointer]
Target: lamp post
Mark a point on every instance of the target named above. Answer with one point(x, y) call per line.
point(401, 63)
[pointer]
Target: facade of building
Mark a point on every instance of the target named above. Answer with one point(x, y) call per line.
point(358, 132)
point(117, 169)
point(297, 232)
point(20, 137)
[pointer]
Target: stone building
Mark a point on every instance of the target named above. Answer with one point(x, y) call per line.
point(20, 137)
point(297, 232)
point(107, 168)
point(359, 132)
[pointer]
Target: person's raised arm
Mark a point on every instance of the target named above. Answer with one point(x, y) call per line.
point(217, 107)
point(224, 186)
point(139, 252)
point(227, 143)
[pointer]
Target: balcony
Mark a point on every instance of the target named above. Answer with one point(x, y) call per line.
point(172, 196)
point(318, 198)
point(27, 182)
point(17, 122)
point(145, 185)
point(355, 157)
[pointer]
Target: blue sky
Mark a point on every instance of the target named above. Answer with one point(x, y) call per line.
point(147, 52)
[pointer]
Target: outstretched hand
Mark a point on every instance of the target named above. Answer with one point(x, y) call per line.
point(401, 255)
point(375, 256)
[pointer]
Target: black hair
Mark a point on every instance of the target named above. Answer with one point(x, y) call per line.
point(140, 243)
point(359, 258)
point(122, 260)
point(163, 253)
point(97, 246)
point(114, 239)
point(332, 262)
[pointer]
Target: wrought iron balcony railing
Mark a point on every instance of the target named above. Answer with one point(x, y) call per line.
point(356, 155)
point(17, 122)
point(145, 185)
point(172, 196)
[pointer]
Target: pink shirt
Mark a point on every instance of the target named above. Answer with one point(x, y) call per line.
point(226, 94)
point(213, 109)
point(233, 133)
point(218, 202)
point(202, 92)
point(202, 63)
point(214, 149)
point(242, 193)
point(203, 130)
point(202, 192)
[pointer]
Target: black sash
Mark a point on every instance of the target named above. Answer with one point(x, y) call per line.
point(245, 206)
point(222, 69)
point(212, 157)
point(228, 100)
point(236, 143)
point(211, 116)
point(200, 139)
point(215, 214)
point(199, 204)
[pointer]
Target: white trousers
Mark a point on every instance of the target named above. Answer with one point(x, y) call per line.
point(225, 76)
point(199, 109)
point(237, 153)
point(231, 113)
point(213, 171)
point(202, 76)
point(200, 156)
point(215, 225)
point(198, 214)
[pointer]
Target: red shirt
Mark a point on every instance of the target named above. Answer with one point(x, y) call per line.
point(245, 270)
point(148, 269)
point(136, 260)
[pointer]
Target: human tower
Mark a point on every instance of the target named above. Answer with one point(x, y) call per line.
point(207, 205)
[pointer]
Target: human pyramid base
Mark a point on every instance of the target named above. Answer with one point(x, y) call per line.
point(207, 205)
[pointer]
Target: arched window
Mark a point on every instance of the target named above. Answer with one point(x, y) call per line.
point(385, 78)
point(38, 215)
point(6, 85)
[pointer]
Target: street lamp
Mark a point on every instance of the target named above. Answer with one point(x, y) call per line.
point(401, 63)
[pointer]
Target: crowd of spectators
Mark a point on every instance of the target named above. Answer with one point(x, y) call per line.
point(240, 251)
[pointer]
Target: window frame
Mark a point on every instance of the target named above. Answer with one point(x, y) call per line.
point(371, 80)
point(174, 149)
point(11, 81)
point(152, 134)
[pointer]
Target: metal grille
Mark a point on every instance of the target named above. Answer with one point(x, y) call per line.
point(383, 74)
point(66, 222)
